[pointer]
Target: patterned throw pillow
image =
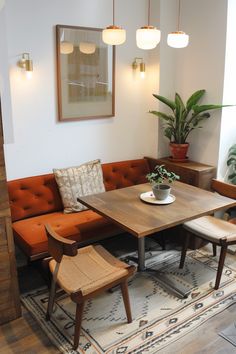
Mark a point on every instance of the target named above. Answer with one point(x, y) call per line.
point(79, 181)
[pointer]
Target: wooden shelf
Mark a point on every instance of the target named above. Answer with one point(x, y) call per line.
point(190, 172)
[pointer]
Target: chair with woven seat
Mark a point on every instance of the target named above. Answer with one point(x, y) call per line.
point(209, 228)
point(84, 273)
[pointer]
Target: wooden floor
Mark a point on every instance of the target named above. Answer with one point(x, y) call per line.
point(24, 336)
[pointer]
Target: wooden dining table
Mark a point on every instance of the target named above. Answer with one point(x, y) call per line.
point(125, 208)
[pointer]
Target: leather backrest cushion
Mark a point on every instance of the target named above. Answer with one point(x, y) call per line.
point(124, 173)
point(33, 196)
point(39, 195)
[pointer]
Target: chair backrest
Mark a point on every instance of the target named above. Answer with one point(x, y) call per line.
point(59, 246)
point(223, 188)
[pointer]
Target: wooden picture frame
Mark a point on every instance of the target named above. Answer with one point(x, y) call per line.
point(85, 74)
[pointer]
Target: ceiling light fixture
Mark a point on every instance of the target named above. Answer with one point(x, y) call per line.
point(148, 37)
point(178, 39)
point(113, 35)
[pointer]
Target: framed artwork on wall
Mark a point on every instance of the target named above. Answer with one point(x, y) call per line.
point(85, 74)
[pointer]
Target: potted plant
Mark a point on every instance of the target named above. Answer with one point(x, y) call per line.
point(157, 178)
point(183, 120)
point(231, 163)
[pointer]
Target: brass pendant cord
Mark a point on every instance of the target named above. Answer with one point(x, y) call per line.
point(113, 12)
point(149, 13)
point(178, 17)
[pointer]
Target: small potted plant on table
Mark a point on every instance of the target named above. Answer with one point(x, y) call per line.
point(157, 178)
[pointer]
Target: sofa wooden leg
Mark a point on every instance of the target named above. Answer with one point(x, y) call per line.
point(214, 250)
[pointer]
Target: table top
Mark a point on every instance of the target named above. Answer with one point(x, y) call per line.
point(124, 207)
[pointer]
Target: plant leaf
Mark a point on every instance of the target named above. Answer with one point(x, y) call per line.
point(198, 109)
point(166, 101)
point(194, 98)
point(163, 116)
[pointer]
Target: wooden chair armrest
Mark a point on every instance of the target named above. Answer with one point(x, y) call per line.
point(223, 188)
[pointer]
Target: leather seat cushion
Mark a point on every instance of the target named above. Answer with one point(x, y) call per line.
point(31, 236)
point(212, 229)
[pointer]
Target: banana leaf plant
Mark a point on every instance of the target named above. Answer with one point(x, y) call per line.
point(185, 117)
point(231, 163)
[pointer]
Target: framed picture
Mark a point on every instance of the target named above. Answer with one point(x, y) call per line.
point(85, 74)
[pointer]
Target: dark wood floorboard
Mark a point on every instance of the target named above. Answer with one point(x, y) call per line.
point(24, 336)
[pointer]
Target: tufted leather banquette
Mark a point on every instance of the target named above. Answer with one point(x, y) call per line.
point(35, 201)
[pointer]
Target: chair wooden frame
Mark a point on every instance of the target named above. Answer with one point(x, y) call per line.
point(59, 246)
point(227, 190)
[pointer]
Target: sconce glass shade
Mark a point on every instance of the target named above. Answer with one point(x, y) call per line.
point(113, 35)
point(87, 47)
point(178, 39)
point(66, 47)
point(148, 37)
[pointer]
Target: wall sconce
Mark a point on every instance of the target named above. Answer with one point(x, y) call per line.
point(27, 64)
point(141, 66)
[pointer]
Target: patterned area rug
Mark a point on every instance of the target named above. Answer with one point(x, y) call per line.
point(159, 316)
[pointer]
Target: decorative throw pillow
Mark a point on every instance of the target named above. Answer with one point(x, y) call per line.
point(79, 181)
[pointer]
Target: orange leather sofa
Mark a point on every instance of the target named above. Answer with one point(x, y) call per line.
point(35, 201)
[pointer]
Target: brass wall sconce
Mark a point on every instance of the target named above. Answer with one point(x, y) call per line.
point(27, 64)
point(141, 66)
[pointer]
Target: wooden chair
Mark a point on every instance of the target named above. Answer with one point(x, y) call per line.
point(217, 231)
point(83, 273)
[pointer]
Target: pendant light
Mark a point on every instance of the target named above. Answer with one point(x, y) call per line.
point(87, 47)
point(178, 39)
point(148, 37)
point(113, 35)
point(65, 46)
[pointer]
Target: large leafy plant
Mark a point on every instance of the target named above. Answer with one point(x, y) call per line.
point(184, 117)
point(231, 163)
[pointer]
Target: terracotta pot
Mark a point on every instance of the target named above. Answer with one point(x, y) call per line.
point(179, 151)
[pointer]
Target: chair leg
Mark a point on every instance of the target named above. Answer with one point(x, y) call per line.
point(220, 266)
point(78, 322)
point(184, 251)
point(125, 294)
point(214, 250)
point(51, 299)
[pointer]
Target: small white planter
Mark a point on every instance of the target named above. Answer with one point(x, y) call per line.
point(161, 191)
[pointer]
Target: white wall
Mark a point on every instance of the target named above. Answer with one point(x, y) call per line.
point(40, 142)
point(228, 122)
point(200, 65)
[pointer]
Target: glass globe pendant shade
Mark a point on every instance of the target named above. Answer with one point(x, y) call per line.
point(87, 47)
point(178, 39)
point(113, 35)
point(148, 37)
point(66, 47)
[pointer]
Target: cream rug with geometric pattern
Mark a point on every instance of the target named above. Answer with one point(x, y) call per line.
point(159, 316)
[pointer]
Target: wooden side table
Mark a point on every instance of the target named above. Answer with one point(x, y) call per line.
point(191, 172)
